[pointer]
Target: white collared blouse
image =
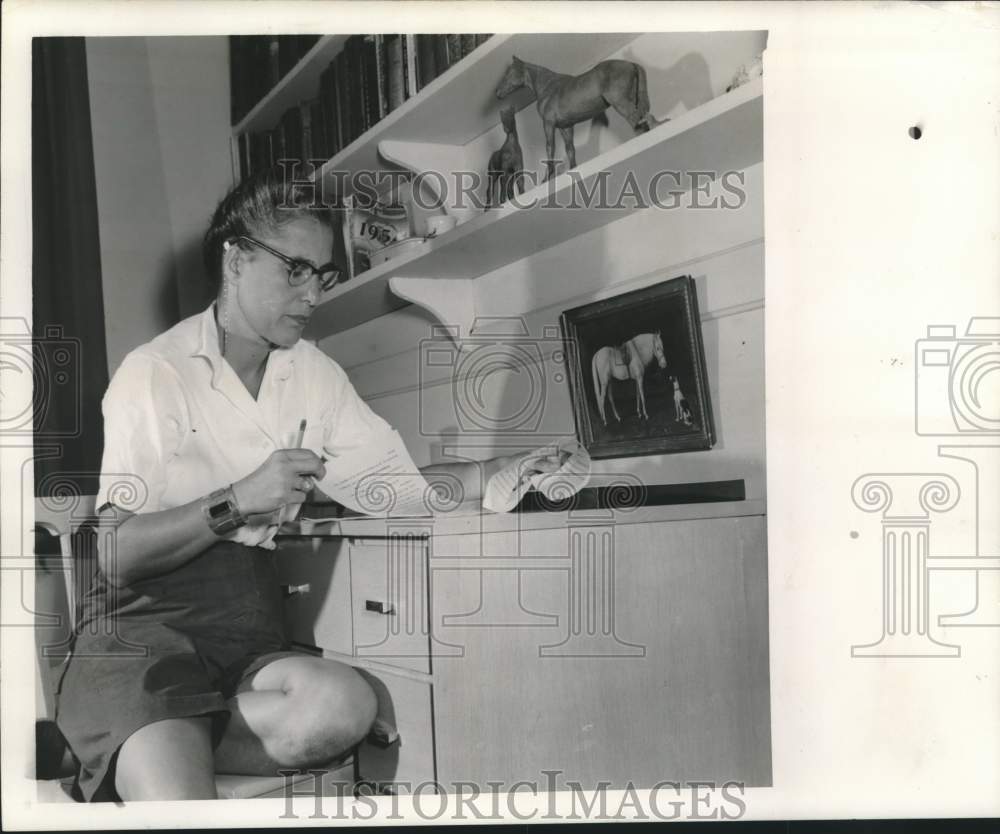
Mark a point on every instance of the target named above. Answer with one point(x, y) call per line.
point(179, 423)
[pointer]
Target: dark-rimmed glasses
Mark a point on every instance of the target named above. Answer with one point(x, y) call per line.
point(299, 271)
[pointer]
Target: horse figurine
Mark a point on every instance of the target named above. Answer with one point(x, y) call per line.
point(629, 361)
point(506, 168)
point(565, 100)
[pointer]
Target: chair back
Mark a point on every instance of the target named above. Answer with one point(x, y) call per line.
point(59, 583)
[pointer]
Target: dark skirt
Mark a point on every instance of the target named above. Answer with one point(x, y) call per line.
point(173, 646)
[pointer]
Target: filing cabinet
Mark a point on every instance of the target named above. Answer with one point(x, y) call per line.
point(315, 580)
point(621, 651)
point(389, 601)
point(365, 602)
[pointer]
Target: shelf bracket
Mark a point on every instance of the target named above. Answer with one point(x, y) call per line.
point(439, 164)
point(452, 301)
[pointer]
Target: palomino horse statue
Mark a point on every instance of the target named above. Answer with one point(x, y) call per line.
point(628, 361)
point(565, 100)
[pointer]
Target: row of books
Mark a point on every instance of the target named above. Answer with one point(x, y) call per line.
point(257, 63)
point(369, 78)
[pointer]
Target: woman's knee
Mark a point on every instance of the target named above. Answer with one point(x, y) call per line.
point(332, 708)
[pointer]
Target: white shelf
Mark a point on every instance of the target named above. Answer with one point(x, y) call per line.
point(300, 83)
point(460, 104)
point(723, 134)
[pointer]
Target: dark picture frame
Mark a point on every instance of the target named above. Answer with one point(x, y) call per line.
point(608, 341)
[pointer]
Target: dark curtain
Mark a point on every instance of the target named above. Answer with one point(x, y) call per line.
point(71, 366)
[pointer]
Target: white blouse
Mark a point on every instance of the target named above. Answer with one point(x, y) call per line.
point(179, 423)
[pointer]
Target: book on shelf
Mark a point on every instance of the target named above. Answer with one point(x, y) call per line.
point(291, 133)
point(361, 87)
point(257, 63)
point(410, 57)
point(375, 103)
point(370, 77)
point(273, 62)
point(342, 77)
point(454, 49)
point(320, 145)
point(292, 49)
point(305, 120)
point(326, 114)
point(440, 44)
point(352, 67)
point(426, 71)
point(395, 72)
point(380, 77)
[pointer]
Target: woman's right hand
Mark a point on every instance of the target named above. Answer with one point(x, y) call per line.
point(284, 478)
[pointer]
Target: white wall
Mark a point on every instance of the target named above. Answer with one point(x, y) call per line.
point(722, 248)
point(160, 121)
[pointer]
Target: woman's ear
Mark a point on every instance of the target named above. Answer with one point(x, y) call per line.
point(232, 258)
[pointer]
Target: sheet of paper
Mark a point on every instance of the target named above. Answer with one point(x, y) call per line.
point(378, 478)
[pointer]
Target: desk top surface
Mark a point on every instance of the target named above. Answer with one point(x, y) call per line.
point(471, 518)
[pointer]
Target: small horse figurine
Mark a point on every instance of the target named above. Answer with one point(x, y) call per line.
point(626, 362)
point(565, 100)
point(506, 168)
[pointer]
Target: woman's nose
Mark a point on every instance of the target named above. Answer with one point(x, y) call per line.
point(313, 291)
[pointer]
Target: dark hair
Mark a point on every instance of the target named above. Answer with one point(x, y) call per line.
point(259, 205)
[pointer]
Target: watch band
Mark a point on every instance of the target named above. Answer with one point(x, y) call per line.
point(222, 512)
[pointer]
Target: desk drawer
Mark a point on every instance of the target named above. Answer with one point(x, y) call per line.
point(401, 746)
point(389, 596)
point(316, 575)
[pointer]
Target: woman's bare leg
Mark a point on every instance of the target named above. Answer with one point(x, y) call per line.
point(169, 759)
point(295, 712)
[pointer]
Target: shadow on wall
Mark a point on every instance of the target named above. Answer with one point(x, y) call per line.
point(184, 287)
point(685, 85)
point(166, 292)
point(688, 82)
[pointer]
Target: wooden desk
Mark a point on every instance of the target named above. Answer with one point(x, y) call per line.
point(606, 645)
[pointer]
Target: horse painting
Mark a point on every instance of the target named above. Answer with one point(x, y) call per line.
point(565, 100)
point(627, 361)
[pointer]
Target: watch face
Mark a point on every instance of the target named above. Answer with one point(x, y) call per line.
point(219, 510)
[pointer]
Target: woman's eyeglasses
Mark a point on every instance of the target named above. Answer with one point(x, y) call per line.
point(299, 271)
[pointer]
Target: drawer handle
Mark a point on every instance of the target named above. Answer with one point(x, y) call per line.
point(379, 607)
point(292, 590)
point(382, 734)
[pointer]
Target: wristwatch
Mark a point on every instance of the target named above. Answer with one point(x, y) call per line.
point(222, 512)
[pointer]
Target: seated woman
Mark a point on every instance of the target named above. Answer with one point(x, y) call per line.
point(180, 667)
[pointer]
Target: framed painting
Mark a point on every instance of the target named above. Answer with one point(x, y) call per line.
point(636, 366)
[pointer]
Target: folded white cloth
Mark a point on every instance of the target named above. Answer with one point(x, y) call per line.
point(507, 487)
